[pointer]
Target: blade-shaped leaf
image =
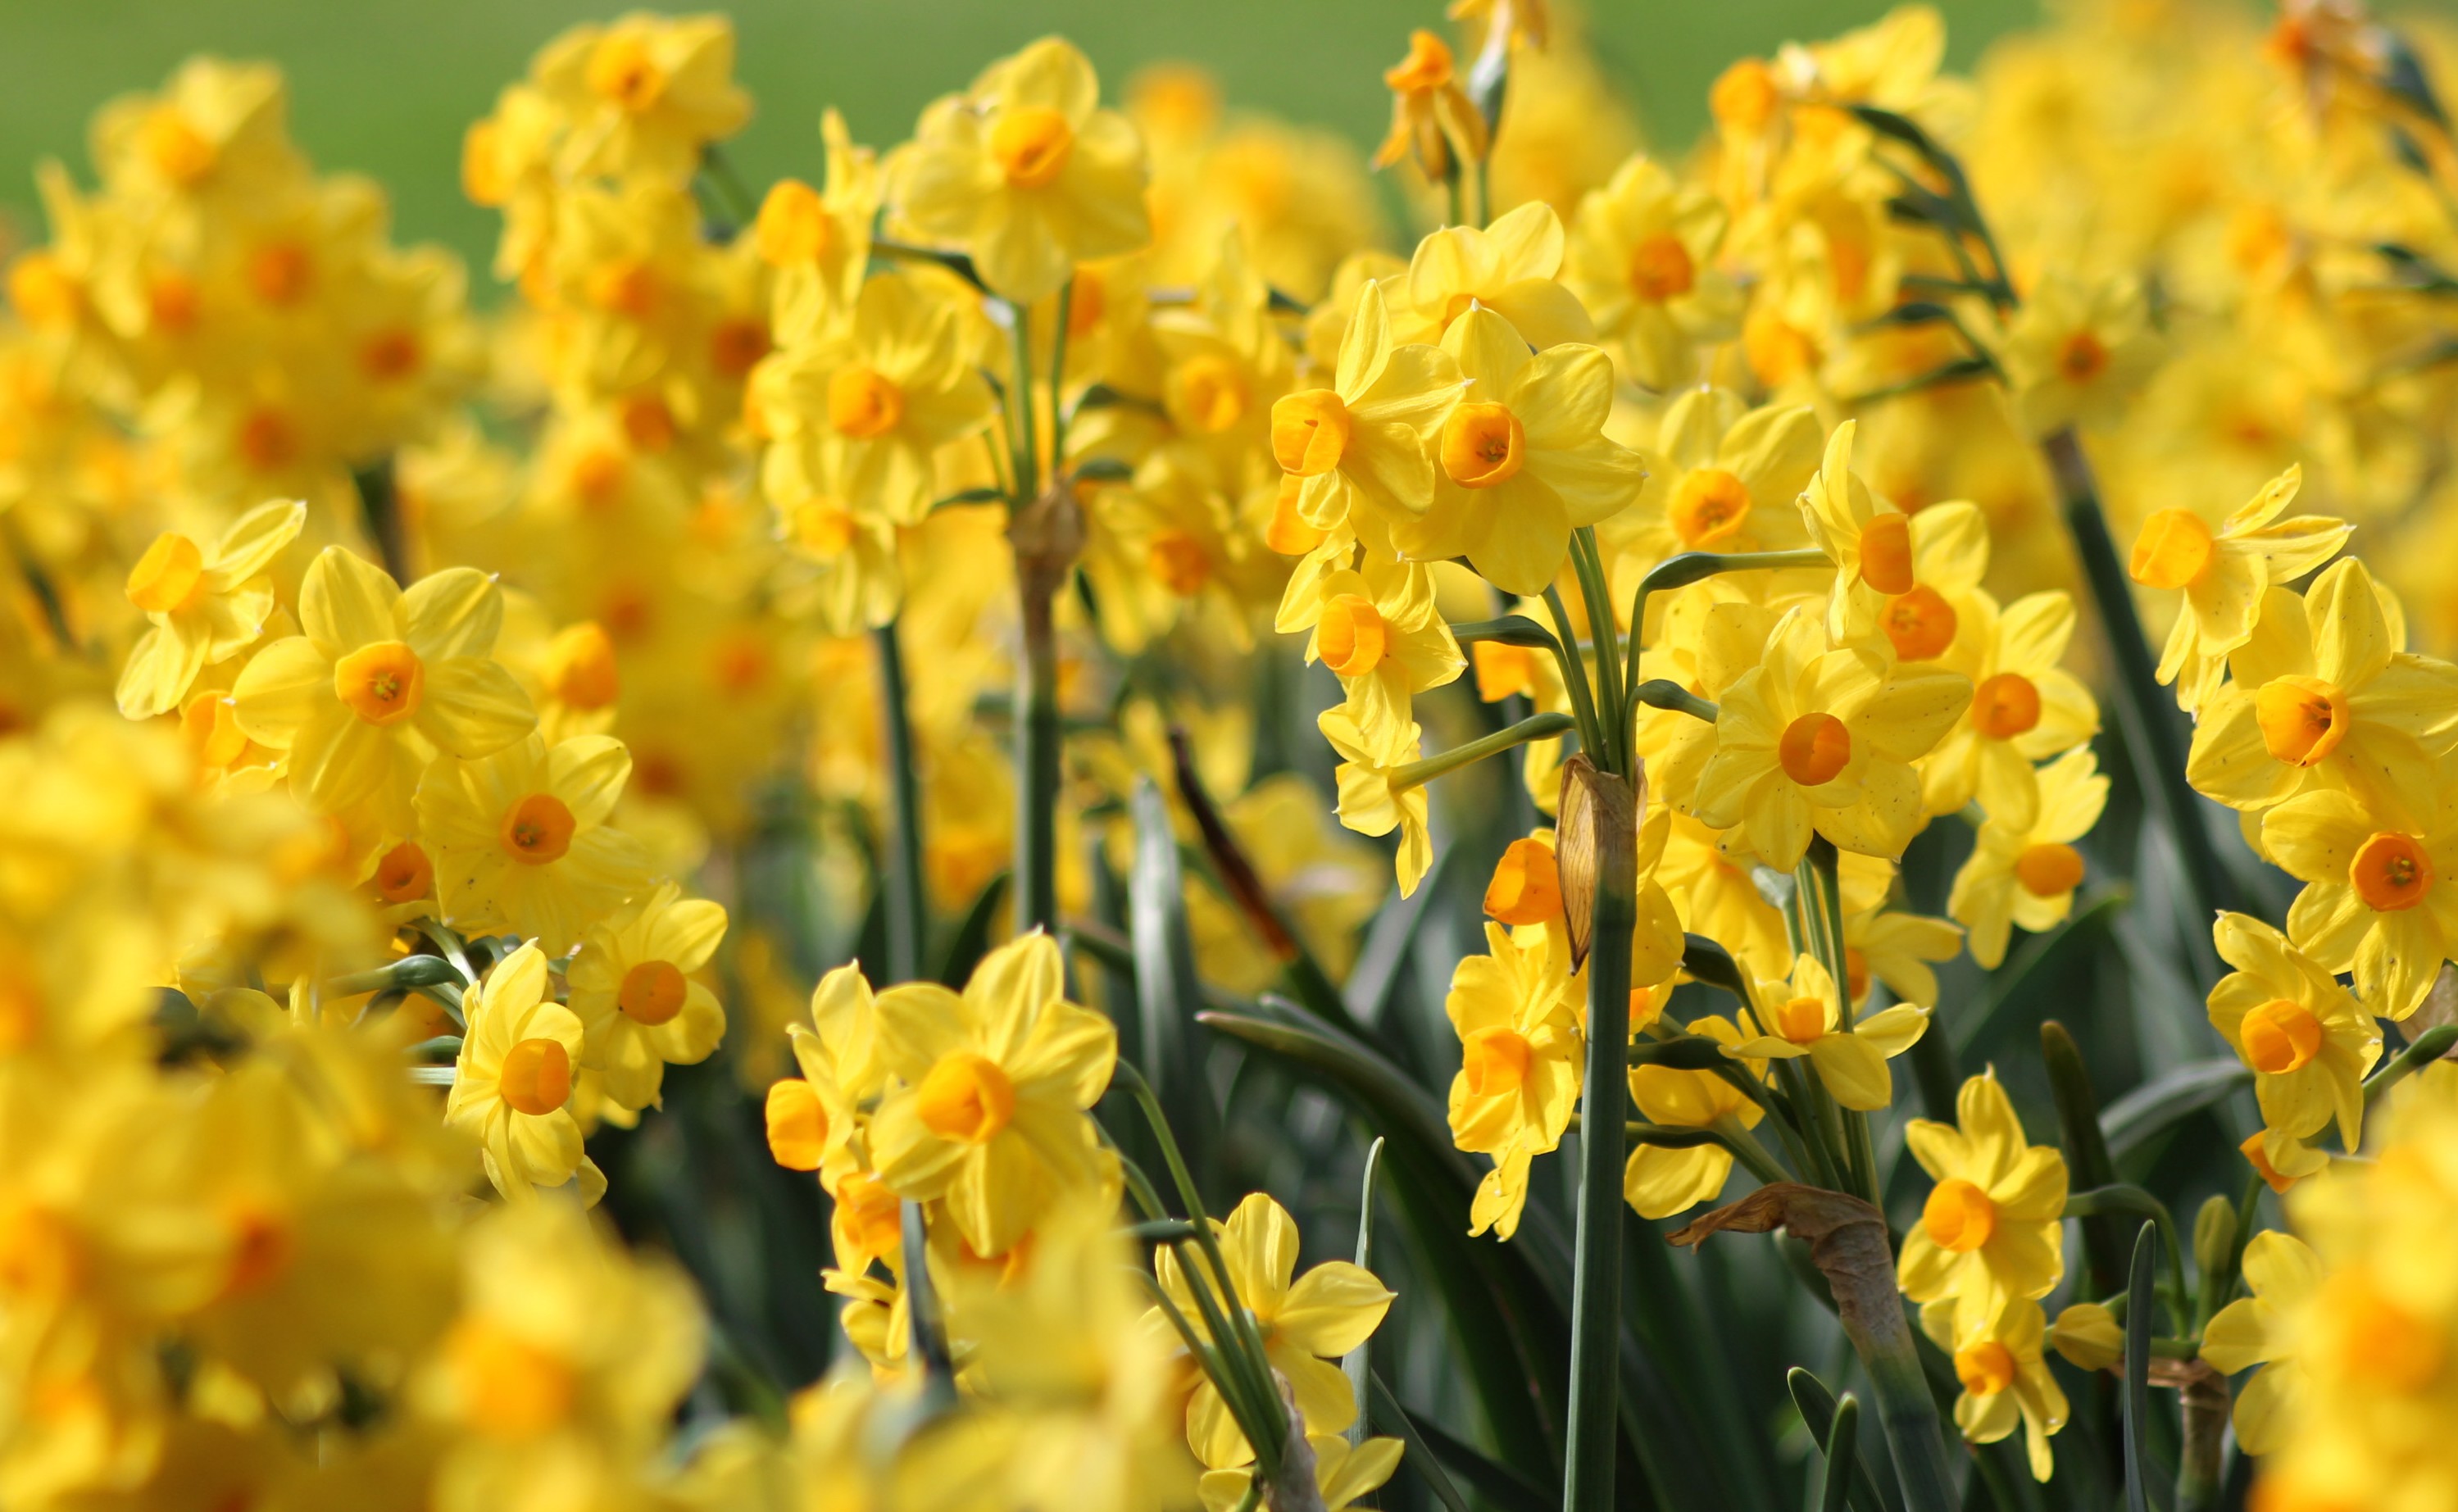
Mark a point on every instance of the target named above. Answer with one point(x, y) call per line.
point(2139, 1302)
point(1818, 1410)
point(2158, 1105)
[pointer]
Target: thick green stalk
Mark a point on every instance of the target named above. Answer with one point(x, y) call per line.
point(2154, 734)
point(1036, 761)
point(1595, 1292)
point(901, 876)
point(1905, 1405)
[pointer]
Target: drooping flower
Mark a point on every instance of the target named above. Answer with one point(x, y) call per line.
point(2282, 1273)
point(2000, 1361)
point(1660, 1181)
point(1370, 802)
point(1516, 1012)
point(2309, 1045)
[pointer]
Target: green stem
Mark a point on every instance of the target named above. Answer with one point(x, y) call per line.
point(1747, 1150)
point(1037, 723)
point(1662, 692)
point(1535, 727)
point(1574, 675)
point(908, 915)
point(1872, 1316)
point(2430, 1046)
point(380, 505)
point(2153, 735)
point(1612, 688)
point(1058, 377)
point(1595, 1292)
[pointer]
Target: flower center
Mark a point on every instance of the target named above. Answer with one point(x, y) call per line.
point(1212, 394)
point(40, 1256)
point(652, 992)
point(1178, 560)
point(1813, 749)
point(2375, 1340)
point(1351, 636)
point(581, 666)
point(280, 273)
point(2391, 872)
point(824, 529)
point(404, 873)
point(1986, 1368)
point(871, 1214)
point(2048, 869)
point(1886, 553)
point(2303, 719)
point(1660, 268)
point(510, 1387)
point(1427, 66)
point(2174, 550)
point(538, 829)
point(966, 1097)
point(1711, 506)
point(382, 682)
point(1959, 1215)
point(862, 403)
point(1483, 444)
point(261, 1245)
point(1494, 1061)
point(1032, 144)
point(268, 439)
point(1920, 624)
point(2081, 358)
point(2006, 705)
point(629, 287)
point(2280, 1035)
point(1745, 95)
point(1800, 1020)
point(793, 227)
point(1527, 887)
point(797, 1125)
point(621, 71)
point(1310, 431)
point(390, 355)
point(166, 578)
point(537, 1078)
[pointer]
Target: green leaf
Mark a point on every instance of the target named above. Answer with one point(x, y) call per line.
point(2138, 1292)
point(2088, 1161)
point(2022, 979)
point(2158, 1105)
point(1687, 1053)
point(1429, 1445)
point(972, 939)
point(1388, 940)
point(1843, 1447)
point(1819, 1410)
point(1166, 988)
point(1358, 1364)
point(1421, 1455)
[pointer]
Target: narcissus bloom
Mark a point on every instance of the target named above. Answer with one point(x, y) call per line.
point(205, 605)
point(2381, 890)
point(2078, 351)
point(1370, 802)
point(1342, 1473)
point(1380, 633)
point(991, 1118)
point(1327, 1312)
point(2282, 1273)
point(519, 838)
point(2309, 1045)
point(1523, 458)
point(645, 94)
point(380, 680)
point(1508, 267)
point(1992, 1233)
point(1026, 173)
point(1868, 539)
point(1822, 737)
point(1358, 452)
point(1659, 1182)
point(1642, 259)
point(1721, 477)
point(1516, 1012)
point(1804, 1016)
point(1999, 1359)
point(635, 984)
point(2223, 572)
point(1884, 945)
point(2025, 708)
point(2323, 694)
point(512, 1084)
point(2027, 874)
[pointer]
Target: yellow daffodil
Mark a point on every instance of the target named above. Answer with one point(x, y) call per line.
point(1381, 633)
point(379, 681)
point(1516, 1010)
point(991, 1116)
point(2282, 1273)
point(2079, 351)
point(1822, 737)
point(1327, 1312)
point(635, 986)
point(1867, 538)
point(204, 607)
point(1642, 259)
point(512, 1088)
point(858, 413)
point(2000, 1361)
point(2322, 695)
point(1991, 1232)
point(519, 838)
point(1801, 1016)
point(2027, 874)
point(2381, 890)
point(1358, 452)
point(1026, 173)
point(1932, 619)
point(2309, 1045)
point(1898, 949)
point(818, 240)
point(1433, 119)
point(646, 93)
point(1524, 459)
point(2088, 1337)
point(2025, 708)
point(2223, 573)
point(1659, 1182)
point(1342, 1473)
point(1370, 802)
point(1721, 477)
point(1509, 267)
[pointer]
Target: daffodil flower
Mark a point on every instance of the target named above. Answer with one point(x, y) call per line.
point(1359, 450)
point(1370, 802)
point(1721, 476)
point(2309, 1045)
point(2025, 708)
point(1868, 539)
point(2323, 695)
point(521, 842)
point(1342, 1473)
point(2282, 1273)
point(204, 607)
point(2027, 874)
point(991, 1116)
point(511, 1088)
point(1327, 1312)
point(1509, 267)
point(2223, 573)
point(645, 93)
point(2381, 890)
point(818, 240)
point(1998, 1357)
point(635, 984)
point(1516, 1010)
point(1524, 458)
point(1991, 1232)
point(2078, 351)
point(1897, 948)
point(1802, 1017)
point(1380, 633)
point(1659, 1182)
point(1642, 260)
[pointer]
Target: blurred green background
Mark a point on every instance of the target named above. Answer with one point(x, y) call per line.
point(387, 87)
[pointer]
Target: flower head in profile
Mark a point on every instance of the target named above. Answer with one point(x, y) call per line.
point(519, 839)
point(1379, 630)
point(635, 984)
point(990, 1119)
point(818, 240)
point(1991, 1232)
point(1433, 119)
point(1357, 454)
point(380, 680)
point(1026, 173)
point(2000, 1359)
point(1371, 803)
point(1516, 1012)
point(1803, 1017)
point(1307, 1322)
point(205, 605)
point(511, 1087)
point(2381, 889)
